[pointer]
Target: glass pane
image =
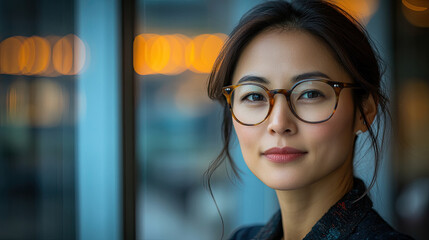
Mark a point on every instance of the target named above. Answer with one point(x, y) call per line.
point(59, 120)
point(98, 150)
point(411, 165)
point(37, 120)
point(179, 126)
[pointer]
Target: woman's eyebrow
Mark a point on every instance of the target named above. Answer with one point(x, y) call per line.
point(252, 78)
point(315, 74)
point(308, 75)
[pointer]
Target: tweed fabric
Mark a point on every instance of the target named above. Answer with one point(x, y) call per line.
point(347, 219)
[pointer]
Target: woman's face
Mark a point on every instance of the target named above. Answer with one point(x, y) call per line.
point(324, 149)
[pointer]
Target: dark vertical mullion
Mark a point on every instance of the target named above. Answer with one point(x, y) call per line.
point(128, 121)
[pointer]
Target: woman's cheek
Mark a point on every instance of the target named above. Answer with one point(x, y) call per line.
point(248, 138)
point(330, 141)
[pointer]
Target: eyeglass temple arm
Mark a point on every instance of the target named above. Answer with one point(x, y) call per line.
point(349, 85)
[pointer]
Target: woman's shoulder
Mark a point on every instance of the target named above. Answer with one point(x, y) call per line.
point(247, 232)
point(374, 227)
point(273, 229)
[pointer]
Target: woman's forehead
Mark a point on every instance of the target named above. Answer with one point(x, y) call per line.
point(283, 54)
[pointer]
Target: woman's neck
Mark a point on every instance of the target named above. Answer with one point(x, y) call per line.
point(302, 208)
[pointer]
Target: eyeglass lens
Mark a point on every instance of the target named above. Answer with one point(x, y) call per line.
point(312, 101)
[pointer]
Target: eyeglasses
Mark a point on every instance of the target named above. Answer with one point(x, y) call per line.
point(310, 100)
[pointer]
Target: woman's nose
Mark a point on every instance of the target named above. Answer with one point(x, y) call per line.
point(281, 120)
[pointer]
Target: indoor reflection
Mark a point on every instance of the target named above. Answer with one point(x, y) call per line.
point(9, 58)
point(175, 53)
point(42, 56)
point(413, 200)
point(411, 169)
point(203, 52)
point(69, 55)
point(416, 12)
point(178, 125)
point(175, 112)
point(34, 56)
point(17, 103)
point(37, 110)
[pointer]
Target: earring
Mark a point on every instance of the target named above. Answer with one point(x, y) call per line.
point(358, 132)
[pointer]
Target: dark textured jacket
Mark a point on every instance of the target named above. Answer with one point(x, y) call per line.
point(344, 220)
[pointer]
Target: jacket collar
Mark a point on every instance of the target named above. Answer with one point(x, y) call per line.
point(339, 222)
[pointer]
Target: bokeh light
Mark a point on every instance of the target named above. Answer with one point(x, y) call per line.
point(361, 10)
point(69, 55)
point(17, 103)
point(176, 64)
point(47, 103)
point(158, 53)
point(35, 55)
point(173, 54)
point(50, 70)
point(203, 51)
point(9, 55)
point(414, 110)
point(413, 113)
point(155, 54)
point(39, 103)
point(416, 12)
point(414, 7)
point(140, 50)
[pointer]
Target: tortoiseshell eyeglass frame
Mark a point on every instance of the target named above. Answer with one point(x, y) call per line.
point(337, 86)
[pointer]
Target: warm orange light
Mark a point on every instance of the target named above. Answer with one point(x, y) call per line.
point(27, 55)
point(50, 70)
point(203, 51)
point(9, 55)
point(413, 7)
point(173, 54)
point(17, 99)
point(193, 53)
point(43, 55)
point(416, 12)
point(176, 63)
point(34, 56)
point(138, 57)
point(62, 56)
point(11, 101)
point(155, 54)
point(362, 10)
point(69, 55)
point(414, 110)
point(140, 50)
point(158, 53)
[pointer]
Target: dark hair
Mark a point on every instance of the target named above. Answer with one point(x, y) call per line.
point(345, 36)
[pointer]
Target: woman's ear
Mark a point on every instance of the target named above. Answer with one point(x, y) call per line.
point(369, 110)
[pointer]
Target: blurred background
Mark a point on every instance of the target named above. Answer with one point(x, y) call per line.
point(106, 127)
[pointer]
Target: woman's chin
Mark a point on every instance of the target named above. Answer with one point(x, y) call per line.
point(284, 183)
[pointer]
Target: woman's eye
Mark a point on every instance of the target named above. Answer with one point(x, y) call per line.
point(311, 95)
point(254, 97)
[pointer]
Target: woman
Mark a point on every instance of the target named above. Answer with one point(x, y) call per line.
point(299, 82)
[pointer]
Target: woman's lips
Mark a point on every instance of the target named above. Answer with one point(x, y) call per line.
point(283, 155)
